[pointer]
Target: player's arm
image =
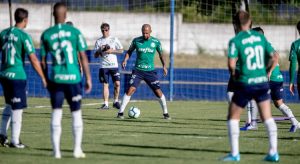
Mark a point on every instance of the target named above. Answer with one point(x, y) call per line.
point(37, 66)
point(86, 70)
point(232, 58)
point(272, 63)
point(292, 68)
point(128, 54)
point(163, 62)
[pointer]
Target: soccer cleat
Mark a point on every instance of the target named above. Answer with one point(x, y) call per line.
point(79, 155)
point(120, 115)
point(18, 146)
point(104, 107)
point(117, 105)
point(167, 116)
point(4, 141)
point(272, 158)
point(230, 157)
point(248, 127)
point(294, 128)
point(57, 155)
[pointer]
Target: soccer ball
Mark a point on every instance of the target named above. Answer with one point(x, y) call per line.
point(134, 112)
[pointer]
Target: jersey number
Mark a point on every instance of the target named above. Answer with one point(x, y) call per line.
point(10, 53)
point(257, 53)
point(57, 46)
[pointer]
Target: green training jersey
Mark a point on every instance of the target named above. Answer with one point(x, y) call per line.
point(294, 59)
point(15, 45)
point(145, 50)
point(251, 48)
point(63, 42)
point(276, 74)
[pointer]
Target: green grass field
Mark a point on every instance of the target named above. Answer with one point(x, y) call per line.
point(197, 133)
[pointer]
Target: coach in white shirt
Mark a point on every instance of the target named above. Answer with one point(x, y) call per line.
point(106, 48)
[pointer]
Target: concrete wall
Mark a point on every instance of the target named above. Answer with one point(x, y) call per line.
point(189, 38)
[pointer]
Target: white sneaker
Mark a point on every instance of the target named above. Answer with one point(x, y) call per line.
point(57, 155)
point(79, 154)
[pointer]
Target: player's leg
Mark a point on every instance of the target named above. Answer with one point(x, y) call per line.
point(19, 102)
point(277, 97)
point(6, 114)
point(116, 80)
point(151, 79)
point(73, 96)
point(263, 101)
point(56, 98)
point(134, 82)
point(104, 79)
point(252, 111)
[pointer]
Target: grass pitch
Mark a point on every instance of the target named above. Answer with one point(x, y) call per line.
point(197, 133)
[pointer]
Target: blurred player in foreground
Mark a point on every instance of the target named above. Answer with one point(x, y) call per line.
point(146, 47)
point(106, 48)
point(15, 46)
point(63, 43)
point(252, 50)
point(294, 58)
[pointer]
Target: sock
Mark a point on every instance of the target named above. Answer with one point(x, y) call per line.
point(16, 125)
point(272, 133)
point(6, 117)
point(56, 130)
point(163, 104)
point(77, 125)
point(233, 133)
point(254, 113)
point(116, 100)
point(288, 112)
point(249, 108)
point(125, 101)
point(106, 103)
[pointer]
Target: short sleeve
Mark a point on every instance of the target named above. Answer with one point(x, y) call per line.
point(118, 44)
point(232, 50)
point(81, 45)
point(43, 51)
point(29, 47)
point(158, 47)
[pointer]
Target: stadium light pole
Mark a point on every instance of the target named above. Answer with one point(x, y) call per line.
point(171, 68)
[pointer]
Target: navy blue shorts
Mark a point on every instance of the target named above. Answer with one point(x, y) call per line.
point(104, 74)
point(244, 93)
point(298, 86)
point(276, 90)
point(72, 93)
point(14, 93)
point(231, 85)
point(150, 77)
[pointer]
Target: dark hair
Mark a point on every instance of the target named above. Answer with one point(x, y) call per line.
point(258, 29)
point(20, 14)
point(298, 26)
point(104, 25)
point(69, 23)
point(241, 18)
point(56, 8)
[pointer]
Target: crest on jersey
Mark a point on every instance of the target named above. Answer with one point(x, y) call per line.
point(152, 45)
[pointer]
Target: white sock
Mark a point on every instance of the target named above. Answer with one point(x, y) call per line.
point(77, 126)
point(56, 130)
point(106, 103)
point(125, 101)
point(6, 117)
point(288, 112)
point(163, 103)
point(116, 100)
point(16, 125)
point(254, 113)
point(233, 133)
point(272, 133)
point(249, 108)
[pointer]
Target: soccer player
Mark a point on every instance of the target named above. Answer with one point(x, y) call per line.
point(63, 42)
point(106, 48)
point(15, 46)
point(276, 86)
point(294, 58)
point(146, 47)
point(252, 50)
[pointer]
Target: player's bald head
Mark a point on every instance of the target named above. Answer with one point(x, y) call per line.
point(60, 11)
point(146, 26)
point(146, 31)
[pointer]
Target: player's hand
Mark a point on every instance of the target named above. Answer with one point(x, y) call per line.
point(292, 89)
point(44, 83)
point(124, 64)
point(88, 86)
point(165, 71)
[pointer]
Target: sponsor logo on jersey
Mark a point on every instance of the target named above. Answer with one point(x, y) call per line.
point(256, 80)
point(60, 34)
point(146, 50)
point(10, 74)
point(65, 77)
point(16, 100)
point(251, 39)
point(152, 45)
